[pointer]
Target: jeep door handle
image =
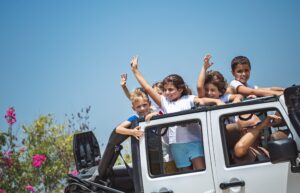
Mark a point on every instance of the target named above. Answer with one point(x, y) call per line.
point(224, 185)
point(168, 191)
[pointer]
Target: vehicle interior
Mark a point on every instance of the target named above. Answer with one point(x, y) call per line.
point(96, 174)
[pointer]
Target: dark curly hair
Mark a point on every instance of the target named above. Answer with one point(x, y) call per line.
point(217, 79)
point(239, 60)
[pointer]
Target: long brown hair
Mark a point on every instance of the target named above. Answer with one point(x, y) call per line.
point(178, 83)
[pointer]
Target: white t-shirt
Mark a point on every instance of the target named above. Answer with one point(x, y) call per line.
point(235, 84)
point(185, 133)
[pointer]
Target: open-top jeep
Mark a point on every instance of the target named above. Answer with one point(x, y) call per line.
point(150, 172)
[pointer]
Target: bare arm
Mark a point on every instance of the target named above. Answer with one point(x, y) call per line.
point(274, 89)
point(236, 98)
point(242, 146)
point(258, 91)
point(208, 101)
point(201, 78)
point(138, 75)
point(150, 115)
point(277, 89)
point(242, 124)
point(123, 85)
point(124, 129)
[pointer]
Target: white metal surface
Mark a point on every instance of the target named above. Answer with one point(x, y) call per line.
point(195, 182)
point(258, 178)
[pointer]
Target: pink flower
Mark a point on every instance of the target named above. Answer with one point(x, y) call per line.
point(8, 153)
point(38, 159)
point(2, 191)
point(8, 162)
point(10, 116)
point(30, 188)
point(74, 173)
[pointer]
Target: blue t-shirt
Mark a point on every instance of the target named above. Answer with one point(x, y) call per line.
point(133, 118)
point(225, 98)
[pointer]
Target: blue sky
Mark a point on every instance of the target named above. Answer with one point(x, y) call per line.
point(59, 56)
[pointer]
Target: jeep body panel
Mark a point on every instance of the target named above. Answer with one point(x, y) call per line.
point(194, 182)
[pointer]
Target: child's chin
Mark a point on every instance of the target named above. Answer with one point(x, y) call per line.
point(142, 114)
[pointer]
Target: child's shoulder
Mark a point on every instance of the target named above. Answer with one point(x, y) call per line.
point(133, 118)
point(236, 83)
point(187, 98)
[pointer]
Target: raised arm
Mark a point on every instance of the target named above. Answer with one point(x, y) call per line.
point(153, 94)
point(201, 78)
point(123, 85)
point(258, 91)
point(242, 146)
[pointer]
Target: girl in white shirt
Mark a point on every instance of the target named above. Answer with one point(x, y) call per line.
point(185, 142)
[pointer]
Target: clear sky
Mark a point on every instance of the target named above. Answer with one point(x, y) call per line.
point(59, 56)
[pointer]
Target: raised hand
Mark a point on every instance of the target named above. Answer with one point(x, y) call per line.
point(123, 79)
point(273, 120)
point(134, 62)
point(206, 61)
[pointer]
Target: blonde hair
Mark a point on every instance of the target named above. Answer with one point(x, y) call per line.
point(137, 94)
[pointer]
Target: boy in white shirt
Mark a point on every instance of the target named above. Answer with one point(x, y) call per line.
point(241, 69)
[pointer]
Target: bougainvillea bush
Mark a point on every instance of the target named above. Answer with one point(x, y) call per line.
point(36, 158)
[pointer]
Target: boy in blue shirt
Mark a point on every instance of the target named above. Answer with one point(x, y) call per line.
point(141, 105)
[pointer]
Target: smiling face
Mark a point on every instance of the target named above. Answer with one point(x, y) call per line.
point(242, 73)
point(141, 106)
point(171, 92)
point(212, 91)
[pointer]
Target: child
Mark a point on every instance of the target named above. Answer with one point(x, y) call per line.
point(156, 86)
point(241, 69)
point(141, 105)
point(176, 98)
point(248, 147)
point(212, 84)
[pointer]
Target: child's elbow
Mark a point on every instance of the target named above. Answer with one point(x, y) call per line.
point(239, 150)
point(118, 130)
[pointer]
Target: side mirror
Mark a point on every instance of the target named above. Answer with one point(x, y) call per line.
point(282, 150)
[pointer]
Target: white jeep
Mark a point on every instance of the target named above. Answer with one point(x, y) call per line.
point(152, 172)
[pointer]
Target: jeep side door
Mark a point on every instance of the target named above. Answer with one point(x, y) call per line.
point(159, 173)
point(252, 177)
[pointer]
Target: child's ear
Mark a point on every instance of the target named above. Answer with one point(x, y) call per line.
point(180, 90)
point(132, 107)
